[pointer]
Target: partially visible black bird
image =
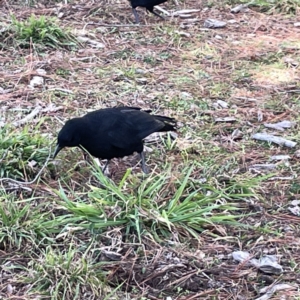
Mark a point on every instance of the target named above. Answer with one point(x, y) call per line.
point(113, 132)
point(149, 4)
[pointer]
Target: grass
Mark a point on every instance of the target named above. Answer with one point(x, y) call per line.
point(77, 234)
point(22, 152)
point(41, 32)
point(188, 207)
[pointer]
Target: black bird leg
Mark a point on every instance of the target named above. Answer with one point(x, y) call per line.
point(144, 167)
point(105, 166)
point(137, 19)
point(86, 156)
point(151, 9)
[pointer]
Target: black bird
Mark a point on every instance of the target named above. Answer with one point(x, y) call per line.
point(113, 132)
point(149, 4)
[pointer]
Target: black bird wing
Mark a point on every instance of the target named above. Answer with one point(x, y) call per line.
point(132, 126)
point(116, 132)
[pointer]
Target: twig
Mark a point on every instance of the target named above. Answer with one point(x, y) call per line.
point(35, 112)
point(28, 117)
point(118, 25)
point(61, 90)
point(163, 10)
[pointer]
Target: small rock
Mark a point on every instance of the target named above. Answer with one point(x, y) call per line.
point(37, 80)
point(280, 125)
point(239, 8)
point(222, 103)
point(297, 153)
point(268, 264)
point(140, 71)
point(295, 210)
point(142, 80)
point(186, 95)
point(9, 289)
point(295, 202)
point(213, 23)
point(240, 256)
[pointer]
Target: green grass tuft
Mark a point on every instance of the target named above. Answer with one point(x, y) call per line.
point(22, 152)
point(42, 32)
point(160, 205)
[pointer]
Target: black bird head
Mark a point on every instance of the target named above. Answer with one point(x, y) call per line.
point(69, 135)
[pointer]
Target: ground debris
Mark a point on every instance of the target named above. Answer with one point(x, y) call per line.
point(267, 264)
point(175, 67)
point(270, 290)
point(213, 23)
point(274, 139)
point(281, 125)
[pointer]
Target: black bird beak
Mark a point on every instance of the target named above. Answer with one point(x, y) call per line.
point(57, 149)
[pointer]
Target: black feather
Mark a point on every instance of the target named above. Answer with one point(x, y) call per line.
point(113, 132)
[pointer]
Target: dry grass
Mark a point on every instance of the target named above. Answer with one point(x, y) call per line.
point(57, 241)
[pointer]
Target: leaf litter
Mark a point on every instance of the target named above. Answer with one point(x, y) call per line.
point(235, 84)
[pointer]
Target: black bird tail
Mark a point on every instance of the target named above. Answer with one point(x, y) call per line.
point(170, 123)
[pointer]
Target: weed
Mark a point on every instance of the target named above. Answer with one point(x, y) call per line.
point(21, 152)
point(65, 275)
point(170, 233)
point(145, 210)
point(41, 32)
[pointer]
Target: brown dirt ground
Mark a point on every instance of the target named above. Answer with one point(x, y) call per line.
point(252, 64)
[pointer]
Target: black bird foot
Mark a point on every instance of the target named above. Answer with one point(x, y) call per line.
point(105, 166)
point(145, 169)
